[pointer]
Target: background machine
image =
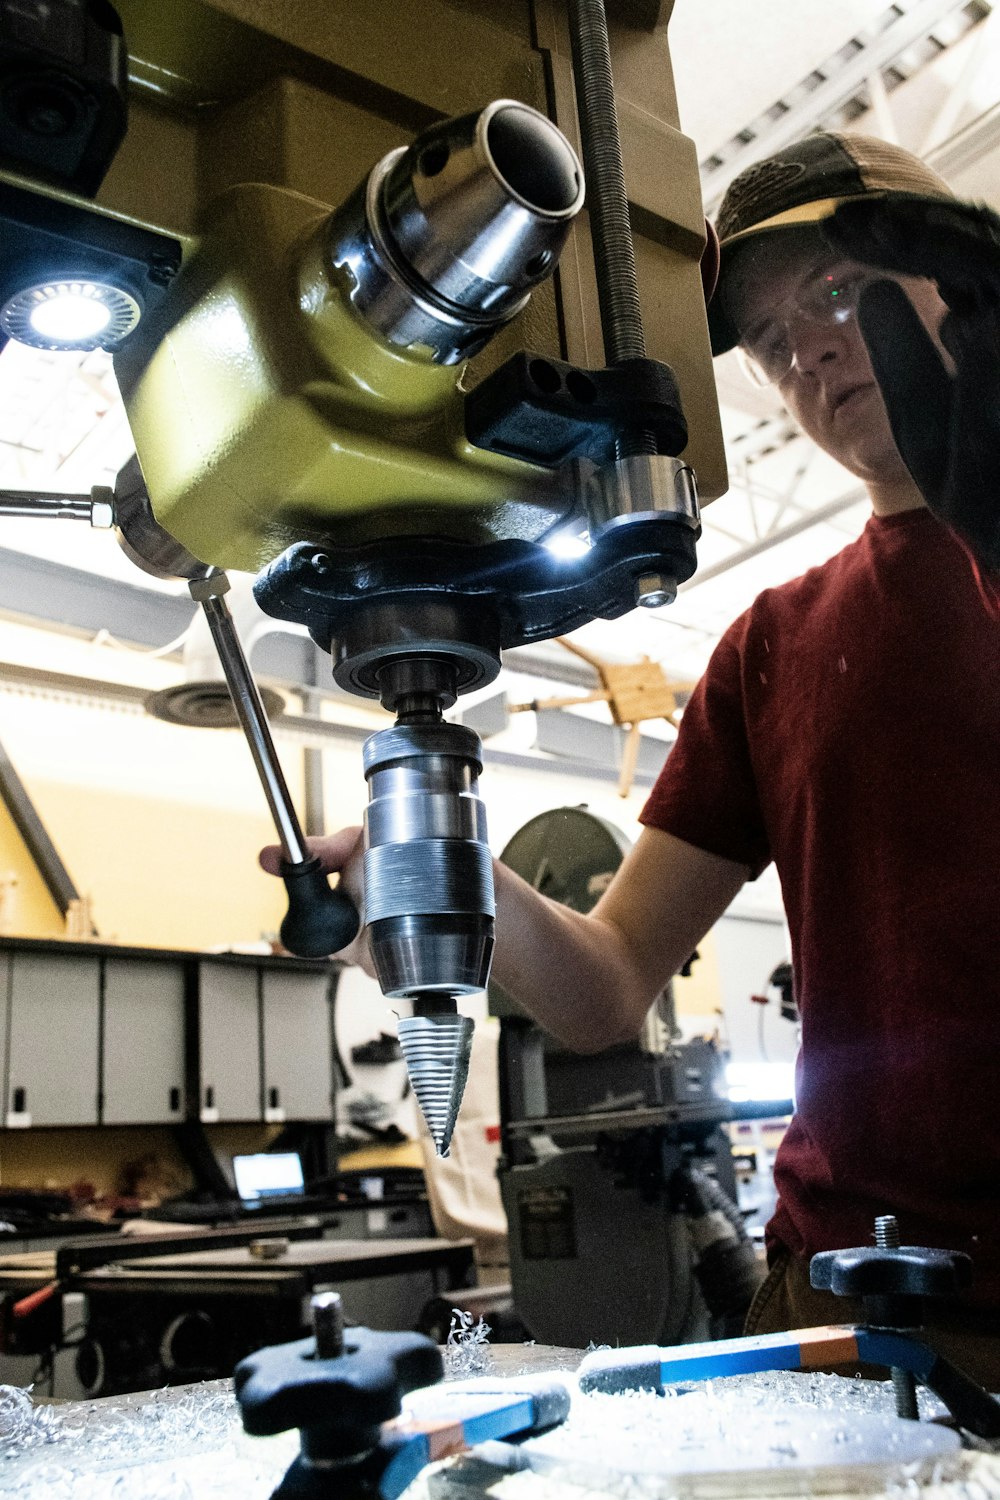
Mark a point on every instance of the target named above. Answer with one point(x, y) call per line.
point(295, 229)
point(616, 1174)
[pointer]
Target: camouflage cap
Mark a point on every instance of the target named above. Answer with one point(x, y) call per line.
point(801, 185)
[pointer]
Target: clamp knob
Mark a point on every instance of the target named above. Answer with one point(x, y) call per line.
point(339, 1403)
point(337, 1388)
point(900, 1271)
point(891, 1280)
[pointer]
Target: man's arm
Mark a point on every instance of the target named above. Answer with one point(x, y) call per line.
point(590, 980)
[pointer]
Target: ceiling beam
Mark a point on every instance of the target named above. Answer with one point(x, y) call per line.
point(53, 594)
point(318, 732)
point(775, 538)
point(878, 51)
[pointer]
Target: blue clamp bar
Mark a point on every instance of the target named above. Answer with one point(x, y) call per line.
point(460, 1417)
point(877, 1346)
point(647, 1367)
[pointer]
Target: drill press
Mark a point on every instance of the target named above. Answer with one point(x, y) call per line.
point(294, 381)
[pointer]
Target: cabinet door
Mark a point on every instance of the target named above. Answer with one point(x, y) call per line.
point(143, 1042)
point(54, 1008)
point(229, 1031)
point(298, 1048)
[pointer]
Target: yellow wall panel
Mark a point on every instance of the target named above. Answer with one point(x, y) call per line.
point(164, 874)
point(27, 908)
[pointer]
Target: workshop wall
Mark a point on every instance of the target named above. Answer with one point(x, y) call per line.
point(158, 824)
point(161, 826)
point(26, 908)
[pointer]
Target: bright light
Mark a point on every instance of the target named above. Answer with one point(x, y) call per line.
point(760, 1080)
point(567, 545)
point(73, 312)
point(68, 314)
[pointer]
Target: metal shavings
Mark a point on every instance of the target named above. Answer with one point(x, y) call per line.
point(176, 1444)
point(617, 1444)
point(467, 1350)
point(15, 1414)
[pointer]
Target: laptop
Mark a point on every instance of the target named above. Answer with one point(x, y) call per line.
point(269, 1179)
point(266, 1183)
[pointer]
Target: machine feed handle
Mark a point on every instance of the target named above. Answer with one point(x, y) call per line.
point(321, 919)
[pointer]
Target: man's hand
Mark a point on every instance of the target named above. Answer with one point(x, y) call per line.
point(946, 425)
point(338, 852)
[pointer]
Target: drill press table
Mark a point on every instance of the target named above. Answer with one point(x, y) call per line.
point(187, 1441)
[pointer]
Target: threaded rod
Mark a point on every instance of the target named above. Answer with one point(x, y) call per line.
point(607, 201)
point(328, 1324)
point(903, 1384)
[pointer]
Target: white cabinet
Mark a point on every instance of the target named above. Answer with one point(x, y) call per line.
point(298, 1045)
point(143, 1042)
point(53, 1019)
point(229, 1042)
point(91, 1034)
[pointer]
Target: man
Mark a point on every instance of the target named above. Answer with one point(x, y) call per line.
point(848, 728)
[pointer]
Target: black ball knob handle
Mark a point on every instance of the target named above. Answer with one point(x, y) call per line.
point(321, 919)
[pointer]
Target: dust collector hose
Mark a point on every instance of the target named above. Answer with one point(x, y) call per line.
point(726, 1263)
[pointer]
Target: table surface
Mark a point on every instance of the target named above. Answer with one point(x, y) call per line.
point(356, 1258)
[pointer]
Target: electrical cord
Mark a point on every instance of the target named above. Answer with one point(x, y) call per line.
point(46, 1367)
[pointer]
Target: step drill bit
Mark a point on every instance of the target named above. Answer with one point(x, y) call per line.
point(437, 1043)
point(428, 882)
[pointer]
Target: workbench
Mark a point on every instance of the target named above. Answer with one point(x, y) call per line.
point(175, 1316)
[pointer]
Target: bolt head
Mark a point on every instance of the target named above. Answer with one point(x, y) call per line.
point(654, 590)
point(102, 508)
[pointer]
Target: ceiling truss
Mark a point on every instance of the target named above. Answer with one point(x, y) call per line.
point(905, 38)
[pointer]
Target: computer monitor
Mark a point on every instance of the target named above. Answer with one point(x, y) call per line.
point(268, 1174)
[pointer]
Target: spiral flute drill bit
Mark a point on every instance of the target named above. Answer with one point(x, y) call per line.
point(437, 1048)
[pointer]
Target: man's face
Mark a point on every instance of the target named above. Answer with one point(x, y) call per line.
point(829, 387)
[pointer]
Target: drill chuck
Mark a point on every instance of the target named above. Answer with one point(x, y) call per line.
point(446, 240)
point(428, 870)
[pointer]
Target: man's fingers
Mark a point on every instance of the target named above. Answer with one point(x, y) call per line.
point(914, 383)
point(955, 244)
point(334, 851)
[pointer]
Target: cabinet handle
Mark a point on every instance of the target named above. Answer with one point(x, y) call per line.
point(209, 1097)
point(272, 1099)
point(19, 1101)
point(175, 1100)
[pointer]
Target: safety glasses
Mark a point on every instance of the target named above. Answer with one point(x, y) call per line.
point(827, 297)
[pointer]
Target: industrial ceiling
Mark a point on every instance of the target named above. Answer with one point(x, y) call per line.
point(750, 78)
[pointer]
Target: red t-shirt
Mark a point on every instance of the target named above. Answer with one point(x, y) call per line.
point(848, 727)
